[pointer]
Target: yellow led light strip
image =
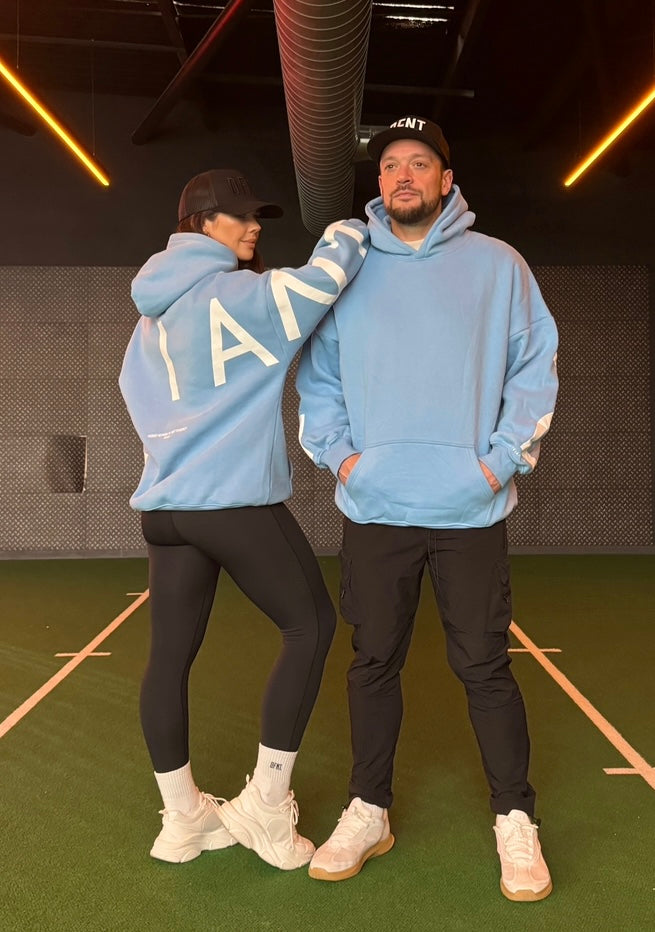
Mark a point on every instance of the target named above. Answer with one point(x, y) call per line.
point(611, 136)
point(56, 127)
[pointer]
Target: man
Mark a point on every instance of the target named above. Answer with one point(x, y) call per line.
point(425, 390)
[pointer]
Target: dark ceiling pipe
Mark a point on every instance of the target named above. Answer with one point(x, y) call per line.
point(233, 12)
point(85, 43)
point(323, 48)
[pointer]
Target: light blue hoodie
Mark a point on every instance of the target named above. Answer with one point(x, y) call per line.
point(433, 359)
point(204, 371)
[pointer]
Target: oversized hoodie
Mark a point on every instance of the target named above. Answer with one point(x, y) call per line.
point(204, 371)
point(433, 360)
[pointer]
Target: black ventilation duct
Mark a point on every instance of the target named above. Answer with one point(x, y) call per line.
point(323, 48)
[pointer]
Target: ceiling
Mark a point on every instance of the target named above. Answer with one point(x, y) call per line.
point(545, 71)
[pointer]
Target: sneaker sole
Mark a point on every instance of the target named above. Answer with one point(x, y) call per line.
point(526, 896)
point(180, 854)
point(319, 873)
point(248, 832)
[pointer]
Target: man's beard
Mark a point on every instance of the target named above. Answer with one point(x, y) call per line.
point(413, 215)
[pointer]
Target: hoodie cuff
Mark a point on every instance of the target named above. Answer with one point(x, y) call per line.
point(500, 463)
point(334, 457)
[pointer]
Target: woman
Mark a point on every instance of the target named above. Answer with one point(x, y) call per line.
point(202, 378)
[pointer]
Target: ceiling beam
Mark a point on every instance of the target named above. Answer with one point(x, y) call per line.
point(467, 32)
point(276, 81)
point(84, 43)
point(171, 20)
point(169, 15)
point(234, 11)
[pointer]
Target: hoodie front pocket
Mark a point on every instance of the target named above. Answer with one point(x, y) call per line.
point(418, 478)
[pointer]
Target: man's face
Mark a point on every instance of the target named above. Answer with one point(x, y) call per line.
point(413, 182)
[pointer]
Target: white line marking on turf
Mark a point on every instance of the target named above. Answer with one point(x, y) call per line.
point(623, 771)
point(96, 653)
point(606, 728)
point(55, 680)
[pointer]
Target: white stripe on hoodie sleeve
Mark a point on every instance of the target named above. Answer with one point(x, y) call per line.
point(530, 387)
point(299, 298)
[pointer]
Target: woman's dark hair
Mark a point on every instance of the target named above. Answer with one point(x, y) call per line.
point(195, 224)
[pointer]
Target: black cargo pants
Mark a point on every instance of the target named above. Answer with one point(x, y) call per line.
point(382, 567)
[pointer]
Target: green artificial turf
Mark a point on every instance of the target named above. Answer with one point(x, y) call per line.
point(80, 806)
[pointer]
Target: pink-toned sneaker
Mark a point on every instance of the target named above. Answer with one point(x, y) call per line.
point(360, 834)
point(184, 836)
point(524, 874)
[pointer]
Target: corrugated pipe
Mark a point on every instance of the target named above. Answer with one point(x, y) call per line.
point(323, 48)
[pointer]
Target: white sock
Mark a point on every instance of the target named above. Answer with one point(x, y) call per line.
point(178, 789)
point(272, 775)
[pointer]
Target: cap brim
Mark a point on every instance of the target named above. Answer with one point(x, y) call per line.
point(378, 143)
point(262, 209)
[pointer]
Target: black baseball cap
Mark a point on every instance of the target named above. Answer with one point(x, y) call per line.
point(225, 190)
point(411, 127)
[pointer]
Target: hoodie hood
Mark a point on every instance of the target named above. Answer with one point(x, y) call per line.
point(204, 372)
point(455, 218)
point(166, 276)
point(433, 362)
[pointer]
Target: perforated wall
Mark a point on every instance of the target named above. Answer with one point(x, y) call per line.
point(70, 458)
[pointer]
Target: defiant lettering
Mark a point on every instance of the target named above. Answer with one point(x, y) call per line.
point(284, 286)
point(219, 318)
point(170, 368)
point(283, 282)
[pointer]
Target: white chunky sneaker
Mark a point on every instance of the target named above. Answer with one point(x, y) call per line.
point(360, 834)
point(185, 835)
point(269, 830)
point(524, 874)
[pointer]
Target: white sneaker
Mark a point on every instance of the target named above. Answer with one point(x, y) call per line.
point(524, 874)
point(269, 830)
point(360, 834)
point(185, 835)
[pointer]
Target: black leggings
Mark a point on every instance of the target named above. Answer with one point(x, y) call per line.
point(268, 557)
